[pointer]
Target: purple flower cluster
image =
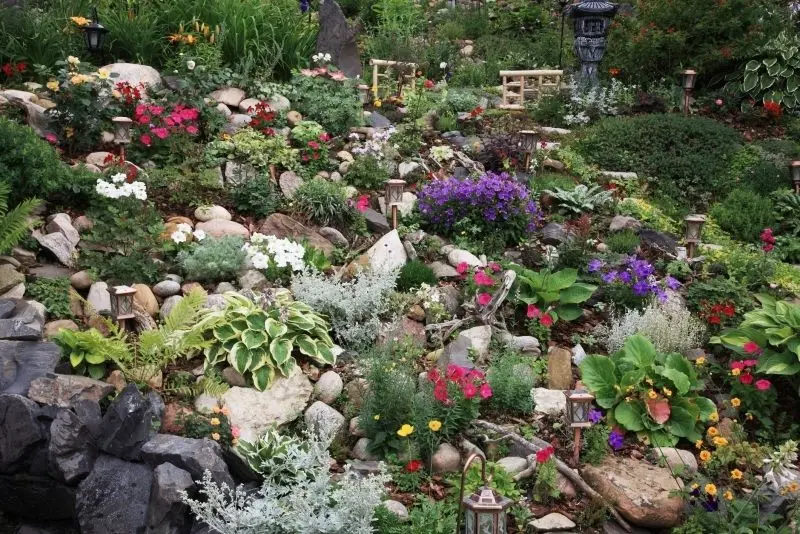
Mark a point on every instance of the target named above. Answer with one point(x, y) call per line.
point(493, 202)
point(616, 440)
point(637, 274)
point(595, 416)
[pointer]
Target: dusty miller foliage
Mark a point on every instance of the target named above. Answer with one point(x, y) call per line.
point(309, 502)
point(671, 328)
point(353, 307)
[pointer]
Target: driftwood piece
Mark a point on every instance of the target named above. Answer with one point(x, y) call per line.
point(536, 444)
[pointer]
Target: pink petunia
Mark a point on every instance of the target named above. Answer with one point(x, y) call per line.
point(140, 109)
point(170, 121)
point(469, 390)
point(143, 119)
point(484, 299)
point(146, 140)
point(189, 114)
point(235, 432)
point(51, 138)
point(156, 110)
point(462, 267)
point(750, 363)
point(363, 203)
point(494, 266)
point(192, 129)
point(751, 347)
point(482, 279)
point(161, 133)
point(433, 375)
point(746, 379)
point(455, 372)
point(763, 384)
point(737, 365)
point(486, 391)
point(533, 312)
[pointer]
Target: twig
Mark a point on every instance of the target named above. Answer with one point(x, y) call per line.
point(535, 444)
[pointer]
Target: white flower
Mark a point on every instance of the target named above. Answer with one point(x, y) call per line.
point(72, 60)
point(191, 65)
point(443, 65)
point(119, 178)
point(199, 235)
point(178, 237)
point(185, 228)
point(326, 58)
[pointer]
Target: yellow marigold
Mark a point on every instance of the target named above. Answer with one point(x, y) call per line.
point(652, 394)
point(377, 103)
point(700, 361)
point(735, 372)
point(667, 391)
point(699, 443)
point(435, 425)
point(80, 21)
point(714, 417)
point(720, 441)
point(405, 430)
point(377, 417)
point(215, 436)
point(705, 456)
point(53, 85)
point(712, 431)
point(736, 474)
point(711, 489)
point(736, 402)
point(728, 495)
point(214, 421)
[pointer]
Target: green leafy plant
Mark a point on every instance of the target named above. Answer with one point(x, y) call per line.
point(554, 293)
point(595, 444)
point(624, 242)
point(335, 105)
point(744, 214)
point(14, 223)
point(214, 426)
point(253, 148)
point(267, 446)
point(213, 260)
point(323, 202)
point(258, 339)
point(647, 392)
point(367, 172)
point(498, 479)
point(54, 293)
point(257, 197)
point(89, 352)
point(511, 377)
point(775, 75)
point(413, 274)
point(545, 485)
point(581, 199)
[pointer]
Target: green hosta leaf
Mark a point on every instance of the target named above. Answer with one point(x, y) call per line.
point(682, 423)
point(752, 66)
point(629, 415)
point(775, 70)
point(93, 358)
point(96, 371)
point(706, 407)
point(306, 345)
point(560, 280)
point(240, 358)
point(569, 312)
point(301, 322)
point(281, 351)
point(750, 82)
point(287, 367)
point(779, 363)
point(240, 325)
point(256, 321)
point(214, 354)
point(576, 293)
point(263, 377)
point(598, 373)
point(325, 354)
point(275, 329)
point(260, 358)
point(661, 438)
point(766, 81)
point(254, 338)
point(680, 380)
point(639, 351)
point(769, 62)
point(76, 358)
point(224, 332)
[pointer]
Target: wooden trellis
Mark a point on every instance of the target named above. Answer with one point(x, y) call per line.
point(520, 86)
point(405, 73)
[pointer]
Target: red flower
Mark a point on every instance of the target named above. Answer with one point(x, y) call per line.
point(469, 390)
point(494, 266)
point(428, 84)
point(440, 391)
point(434, 375)
point(484, 299)
point(413, 466)
point(543, 455)
point(455, 372)
point(146, 140)
point(8, 70)
point(324, 137)
point(737, 365)
point(313, 144)
point(714, 319)
point(363, 203)
point(533, 312)
point(763, 384)
point(22, 67)
point(750, 363)
point(546, 320)
point(486, 390)
point(746, 379)
point(751, 348)
point(729, 310)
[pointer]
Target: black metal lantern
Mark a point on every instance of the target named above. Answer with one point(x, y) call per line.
point(794, 169)
point(122, 304)
point(528, 142)
point(694, 229)
point(689, 78)
point(95, 34)
point(394, 197)
point(592, 21)
point(484, 510)
point(579, 402)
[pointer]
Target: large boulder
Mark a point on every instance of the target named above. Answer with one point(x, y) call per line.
point(129, 423)
point(36, 497)
point(193, 455)
point(9, 277)
point(559, 368)
point(376, 221)
point(283, 226)
point(114, 498)
point(21, 431)
point(255, 411)
point(222, 228)
point(167, 513)
point(59, 245)
point(65, 390)
point(61, 222)
point(337, 38)
point(230, 96)
point(71, 451)
point(388, 253)
point(25, 323)
point(321, 416)
point(99, 298)
point(134, 74)
point(328, 387)
point(642, 492)
point(23, 361)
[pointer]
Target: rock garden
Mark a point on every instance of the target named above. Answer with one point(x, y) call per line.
point(399, 267)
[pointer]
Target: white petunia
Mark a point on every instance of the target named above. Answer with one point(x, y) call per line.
point(185, 228)
point(199, 235)
point(443, 65)
point(191, 65)
point(178, 237)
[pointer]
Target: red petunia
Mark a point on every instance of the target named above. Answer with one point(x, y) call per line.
point(455, 372)
point(714, 319)
point(486, 390)
point(413, 466)
point(533, 312)
point(737, 365)
point(750, 363)
point(729, 310)
point(469, 390)
point(546, 320)
point(434, 375)
point(543, 455)
point(763, 384)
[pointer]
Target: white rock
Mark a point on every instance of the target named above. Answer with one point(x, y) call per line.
point(248, 105)
point(361, 450)
point(552, 522)
point(59, 245)
point(224, 110)
point(230, 96)
point(549, 401)
point(328, 387)
point(61, 222)
point(578, 354)
point(211, 213)
point(25, 96)
point(279, 103)
point(221, 228)
point(443, 270)
point(355, 428)
point(205, 403)
point(15, 293)
point(513, 464)
point(397, 508)
point(388, 253)
point(457, 256)
point(134, 74)
point(167, 288)
point(321, 415)
point(405, 207)
point(407, 167)
point(479, 338)
point(99, 298)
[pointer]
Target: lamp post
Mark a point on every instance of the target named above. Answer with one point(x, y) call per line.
point(794, 170)
point(563, 4)
point(394, 197)
point(122, 304)
point(485, 510)
point(95, 34)
point(122, 134)
point(592, 21)
point(528, 142)
point(579, 401)
point(689, 77)
point(694, 228)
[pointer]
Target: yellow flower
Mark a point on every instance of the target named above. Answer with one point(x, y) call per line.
point(629, 389)
point(735, 372)
point(214, 422)
point(405, 430)
point(748, 416)
point(705, 456)
point(699, 443)
point(652, 394)
point(72, 60)
point(700, 361)
point(175, 37)
point(714, 417)
point(728, 495)
point(711, 489)
point(76, 80)
point(712, 431)
point(377, 417)
point(695, 486)
point(434, 425)
point(80, 21)
point(69, 131)
point(667, 392)
point(215, 436)
point(190, 39)
point(720, 442)
point(103, 74)
point(793, 487)
point(377, 103)
point(53, 85)
point(736, 474)
point(735, 402)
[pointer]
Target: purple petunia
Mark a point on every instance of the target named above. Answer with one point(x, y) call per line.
point(639, 275)
point(640, 288)
point(595, 416)
point(595, 265)
point(610, 277)
point(616, 440)
point(672, 283)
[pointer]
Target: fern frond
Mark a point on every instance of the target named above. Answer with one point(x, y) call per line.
point(5, 189)
point(206, 385)
point(14, 224)
point(184, 313)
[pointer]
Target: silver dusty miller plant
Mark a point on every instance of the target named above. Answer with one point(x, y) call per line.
point(310, 501)
point(671, 328)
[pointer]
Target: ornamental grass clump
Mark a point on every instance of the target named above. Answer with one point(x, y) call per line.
point(489, 204)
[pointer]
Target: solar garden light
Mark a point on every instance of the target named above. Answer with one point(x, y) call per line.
point(689, 77)
point(694, 228)
point(122, 304)
point(95, 34)
point(485, 509)
point(579, 402)
point(528, 141)
point(794, 169)
point(122, 134)
point(394, 197)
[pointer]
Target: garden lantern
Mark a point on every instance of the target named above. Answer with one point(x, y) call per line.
point(122, 134)
point(694, 228)
point(592, 21)
point(528, 142)
point(689, 77)
point(95, 34)
point(122, 304)
point(794, 169)
point(394, 197)
point(579, 402)
point(484, 510)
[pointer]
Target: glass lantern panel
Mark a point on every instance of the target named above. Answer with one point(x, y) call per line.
point(502, 528)
point(579, 412)
point(486, 523)
point(126, 305)
point(94, 39)
point(693, 230)
point(469, 522)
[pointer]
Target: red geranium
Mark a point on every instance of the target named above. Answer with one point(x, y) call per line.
point(543, 455)
point(413, 466)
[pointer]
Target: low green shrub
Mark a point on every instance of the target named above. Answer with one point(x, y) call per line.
point(687, 156)
point(257, 197)
point(624, 242)
point(512, 377)
point(744, 214)
point(54, 293)
point(542, 182)
point(213, 260)
point(334, 105)
point(413, 274)
point(367, 172)
point(323, 202)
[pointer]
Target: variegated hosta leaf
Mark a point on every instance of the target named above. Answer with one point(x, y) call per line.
point(325, 354)
point(306, 345)
point(240, 358)
point(256, 321)
point(274, 328)
point(254, 338)
point(224, 332)
point(263, 377)
point(281, 351)
point(287, 367)
point(240, 325)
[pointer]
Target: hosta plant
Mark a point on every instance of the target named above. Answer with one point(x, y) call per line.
point(775, 75)
point(582, 199)
point(771, 334)
point(89, 352)
point(259, 339)
point(557, 294)
point(651, 393)
point(266, 448)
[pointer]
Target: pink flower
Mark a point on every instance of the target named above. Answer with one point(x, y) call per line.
point(462, 267)
point(363, 203)
point(156, 110)
point(751, 347)
point(763, 384)
point(750, 363)
point(546, 320)
point(325, 137)
point(192, 129)
point(718, 102)
point(476, 374)
point(494, 266)
point(455, 372)
point(140, 109)
point(737, 365)
point(146, 140)
point(189, 114)
point(533, 312)
point(482, 279)
point(161, 133)
point(235, 432)
point(338, 76)
point(433, 375)
point(313, 144)
point(440, 392)
point(484, 299)
point(469, 390)
point(51, 138)
point(486, 391)
point(170, 121)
